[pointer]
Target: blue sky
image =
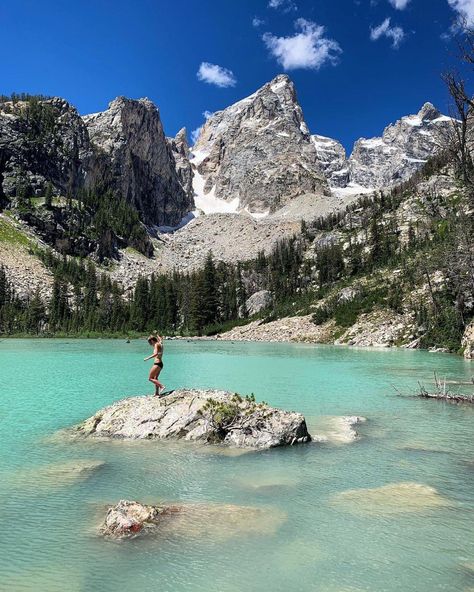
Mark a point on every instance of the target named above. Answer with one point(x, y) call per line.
point(353, 77)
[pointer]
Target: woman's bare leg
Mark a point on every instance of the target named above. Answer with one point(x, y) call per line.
point(153, 377)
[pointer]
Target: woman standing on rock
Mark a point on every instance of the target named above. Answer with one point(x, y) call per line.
point(156, 343)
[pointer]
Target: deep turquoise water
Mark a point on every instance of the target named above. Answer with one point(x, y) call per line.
point(308, 538)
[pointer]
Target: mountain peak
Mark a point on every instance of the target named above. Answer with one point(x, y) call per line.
point(428, 112)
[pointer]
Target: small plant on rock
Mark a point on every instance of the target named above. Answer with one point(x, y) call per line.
point(230, 415)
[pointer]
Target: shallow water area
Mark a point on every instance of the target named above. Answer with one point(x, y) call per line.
point(281, 520)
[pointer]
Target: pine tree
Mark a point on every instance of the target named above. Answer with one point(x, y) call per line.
point(48, 196)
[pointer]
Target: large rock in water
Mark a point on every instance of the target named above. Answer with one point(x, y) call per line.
point(127, 518)
point(203, 415)
point(190, 521)
point(259, 151)
point(138, 162)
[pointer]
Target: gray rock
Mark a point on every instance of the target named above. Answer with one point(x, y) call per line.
point(467, 341)
point(128, 518)
point(198, 415)
point(138, 161)
point(181, 153)
point(404, 148)
point(332, 159)
point(47, 141)
point(259, 150)
point(257, 302)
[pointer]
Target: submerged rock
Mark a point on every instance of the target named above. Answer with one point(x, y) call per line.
point(337, 429)
point(202, 415)
point(395, 498)
point(58, 474)
point(127, 518)
point(197, 521)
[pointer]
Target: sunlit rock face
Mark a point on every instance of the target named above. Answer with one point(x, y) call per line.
point(403, 148)
point(259, 151)
point(137, 160)
point(181, 154)
point(332, 160)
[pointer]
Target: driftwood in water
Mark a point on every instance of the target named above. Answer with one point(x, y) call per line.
point(443, 393)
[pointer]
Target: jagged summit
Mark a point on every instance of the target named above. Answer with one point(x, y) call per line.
point(429, 112)
point(141, 163)
point(258, 152)
point(401, 150)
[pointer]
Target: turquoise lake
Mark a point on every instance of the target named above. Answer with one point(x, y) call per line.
point(309, 535)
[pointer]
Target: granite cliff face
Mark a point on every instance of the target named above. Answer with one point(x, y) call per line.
point(332, 160)
point(182, 156)
point(123, 149)
point(42, 141)
point(403, 148)
point(138, 161)
point(258, 152)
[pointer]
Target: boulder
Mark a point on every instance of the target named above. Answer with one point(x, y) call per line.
point(127, 518)
point(467, 341)
point(210, 416)
point(257, 302)
point(193, 521)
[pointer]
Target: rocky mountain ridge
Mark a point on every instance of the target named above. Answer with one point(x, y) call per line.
point(122, 150)
point(403, 149)
point(259, 152)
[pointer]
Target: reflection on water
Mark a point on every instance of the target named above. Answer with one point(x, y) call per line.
point(388, 510)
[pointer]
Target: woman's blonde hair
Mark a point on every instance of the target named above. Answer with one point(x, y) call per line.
point(152, 338)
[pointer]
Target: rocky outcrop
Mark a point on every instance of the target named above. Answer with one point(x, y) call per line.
point(182, 155)
point(202, 521)
point(257, 302)
point(380, 328)
point(259, 151)
point(298, 329)
point(467, 342)
point(128, 518)
point(137, 161)
point(403, 149)
point(332, 160)
point(42, 141)
point(199, 415)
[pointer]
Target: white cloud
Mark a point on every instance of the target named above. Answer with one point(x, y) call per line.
point(284, 5)
point(307, 49)
point(465, 11)
point(217, 75)
point(257, 22)
point(399, 4)
point(396, 34)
